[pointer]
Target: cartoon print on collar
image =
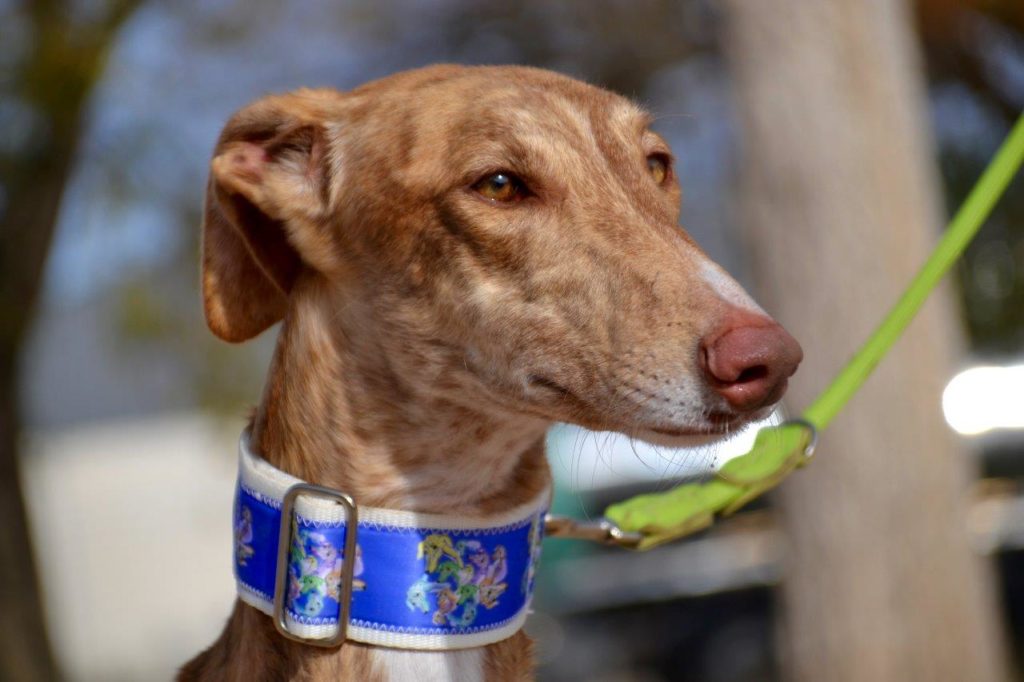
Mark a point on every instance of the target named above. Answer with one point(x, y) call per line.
point(434, 547)
point(314, 572)
point(460, 576)
point(243, 535)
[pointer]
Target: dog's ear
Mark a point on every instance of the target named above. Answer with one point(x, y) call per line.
point(267, 211)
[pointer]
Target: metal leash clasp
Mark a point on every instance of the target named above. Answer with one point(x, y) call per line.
point(812, 440)
point(595, 530)
point(348, 563)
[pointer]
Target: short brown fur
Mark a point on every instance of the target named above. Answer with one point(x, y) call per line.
point(430, 336)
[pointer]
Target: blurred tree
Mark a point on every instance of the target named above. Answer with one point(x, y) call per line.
point(975, 55)
point(47, 88)
point(957, 37)
point(842, 206)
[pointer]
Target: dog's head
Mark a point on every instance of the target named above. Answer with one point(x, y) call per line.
point(507, 235)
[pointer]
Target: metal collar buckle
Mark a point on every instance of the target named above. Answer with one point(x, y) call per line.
point(347, 566)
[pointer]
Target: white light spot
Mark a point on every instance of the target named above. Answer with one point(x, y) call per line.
point(982, 399)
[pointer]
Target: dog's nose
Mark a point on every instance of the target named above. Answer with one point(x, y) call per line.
point(749, 360)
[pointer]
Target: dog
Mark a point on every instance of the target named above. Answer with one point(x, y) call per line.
point(461, 256)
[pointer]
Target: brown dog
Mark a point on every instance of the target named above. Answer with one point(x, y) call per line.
point(462, 256)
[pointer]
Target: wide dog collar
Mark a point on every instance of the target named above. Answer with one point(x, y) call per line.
point(327, 570)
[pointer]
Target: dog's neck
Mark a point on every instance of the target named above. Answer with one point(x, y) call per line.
point(333, 413)
point(337, 412)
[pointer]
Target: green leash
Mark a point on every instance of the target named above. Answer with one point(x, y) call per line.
point(646, 521)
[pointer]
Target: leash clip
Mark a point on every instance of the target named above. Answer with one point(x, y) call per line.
point(812, 441)
point(595, 530)
point(348, 562)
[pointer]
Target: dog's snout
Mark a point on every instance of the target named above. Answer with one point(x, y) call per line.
point(749, 361)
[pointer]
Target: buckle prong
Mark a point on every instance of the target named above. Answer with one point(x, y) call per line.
point(348, 563)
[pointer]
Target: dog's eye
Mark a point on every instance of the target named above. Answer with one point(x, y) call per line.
point(501, 186)
point(660, 167)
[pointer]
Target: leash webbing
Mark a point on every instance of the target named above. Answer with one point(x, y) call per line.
point(652, 519)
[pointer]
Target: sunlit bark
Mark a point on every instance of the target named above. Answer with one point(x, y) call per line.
point(841, 205)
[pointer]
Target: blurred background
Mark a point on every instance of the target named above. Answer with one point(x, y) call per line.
point(821, 146)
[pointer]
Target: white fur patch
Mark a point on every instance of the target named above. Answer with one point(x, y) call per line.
point(466, 665)
point(726, 287)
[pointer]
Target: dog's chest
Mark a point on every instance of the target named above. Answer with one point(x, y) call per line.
point(466, 665)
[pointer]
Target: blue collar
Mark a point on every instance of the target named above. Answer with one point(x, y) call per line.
point(417, 581)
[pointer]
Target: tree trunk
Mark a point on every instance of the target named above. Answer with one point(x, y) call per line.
point(56, 79)
point(27, 226)
point(840, 199)
point(24, 648)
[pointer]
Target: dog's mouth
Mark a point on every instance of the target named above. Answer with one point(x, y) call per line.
point(545, 383)
point(554, 394)
point(713, 430)
point(716, 423)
